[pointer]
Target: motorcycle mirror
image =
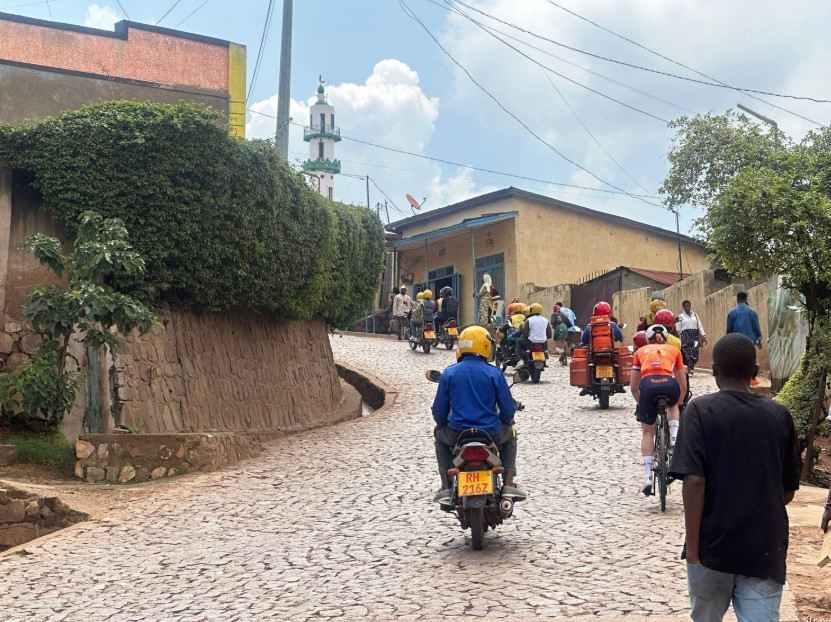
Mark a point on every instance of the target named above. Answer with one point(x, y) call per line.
point(433, 375)
point(521, 376)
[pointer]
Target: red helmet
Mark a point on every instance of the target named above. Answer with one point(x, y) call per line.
point(639, 340)
point(665, 317)
point(602, 308)
point(556, 307)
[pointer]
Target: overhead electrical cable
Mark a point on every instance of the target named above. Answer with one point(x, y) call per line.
point(263, 39)
point(121, 6)
point(678, 63)
point(470, 166)
point(175, 4)
point(588, 131)
point(640, 67)
point(413, 16)
point(547, 68)
point(582, 68)
point(192, 13)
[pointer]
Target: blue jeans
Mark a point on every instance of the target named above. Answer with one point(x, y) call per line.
point(754, 600)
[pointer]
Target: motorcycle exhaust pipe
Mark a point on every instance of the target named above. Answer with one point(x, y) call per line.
point(506, 508)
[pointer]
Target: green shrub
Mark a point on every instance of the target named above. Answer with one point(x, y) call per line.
point(220, 222)
point(52, 451)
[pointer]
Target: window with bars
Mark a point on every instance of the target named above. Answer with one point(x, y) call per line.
point(439, 273)
point(490, 260)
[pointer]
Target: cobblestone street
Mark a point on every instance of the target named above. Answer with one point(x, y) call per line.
point(337, 523)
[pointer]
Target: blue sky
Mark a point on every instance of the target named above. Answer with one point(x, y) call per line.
point(392, 85)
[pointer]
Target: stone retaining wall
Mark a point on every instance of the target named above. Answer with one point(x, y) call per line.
point(127, 458)
point(24, 517)
point(235, 371)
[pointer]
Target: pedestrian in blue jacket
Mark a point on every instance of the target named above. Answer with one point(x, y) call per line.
point(743, 319)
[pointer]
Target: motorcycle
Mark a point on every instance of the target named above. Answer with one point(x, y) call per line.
point(422, 337)
point(447, 333)
point(505, 351)
point(601, 373)
point(476, 478)
point(535, 358)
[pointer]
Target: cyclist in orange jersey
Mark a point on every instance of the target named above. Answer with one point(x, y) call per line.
point(657, 371)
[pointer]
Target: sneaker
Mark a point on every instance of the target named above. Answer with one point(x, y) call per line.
point(647, 488)
point(514, 493)
point(443, 497)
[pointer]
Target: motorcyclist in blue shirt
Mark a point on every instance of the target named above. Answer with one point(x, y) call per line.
point(474, 394)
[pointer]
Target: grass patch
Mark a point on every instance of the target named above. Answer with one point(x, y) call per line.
point(52, 451)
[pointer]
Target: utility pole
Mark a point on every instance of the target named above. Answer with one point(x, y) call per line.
point(678, 231)
point(367, 192)
point(284, 90)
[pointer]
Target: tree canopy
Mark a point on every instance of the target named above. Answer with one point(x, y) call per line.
point(767, 199)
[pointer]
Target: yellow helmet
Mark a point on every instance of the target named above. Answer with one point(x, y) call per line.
point(428, 294)
point(536, 309)
point(475, 340)
point(419, 295)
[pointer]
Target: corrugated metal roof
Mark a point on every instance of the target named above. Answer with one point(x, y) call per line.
point(665, 278)
point(465, 224)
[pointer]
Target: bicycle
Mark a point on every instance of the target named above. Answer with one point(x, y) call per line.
point(660, 454)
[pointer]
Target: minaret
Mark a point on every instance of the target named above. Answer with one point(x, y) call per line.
point(322, 134)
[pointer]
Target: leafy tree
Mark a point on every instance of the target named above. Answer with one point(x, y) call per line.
point(768, 210)
point(88, 307)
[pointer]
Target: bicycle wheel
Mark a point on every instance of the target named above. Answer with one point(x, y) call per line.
point(663, 466)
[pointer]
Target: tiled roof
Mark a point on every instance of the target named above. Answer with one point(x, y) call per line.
point(665, 278)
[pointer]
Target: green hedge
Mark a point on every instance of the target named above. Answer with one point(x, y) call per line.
point(221, 222)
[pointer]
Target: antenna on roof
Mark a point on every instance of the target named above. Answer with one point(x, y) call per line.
point(415, 204)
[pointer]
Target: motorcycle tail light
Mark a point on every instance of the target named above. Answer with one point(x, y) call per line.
point(452, 323)
point(537, 347)
point(429, 326)
point(475, 453)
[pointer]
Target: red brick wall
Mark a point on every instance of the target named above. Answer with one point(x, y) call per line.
point(144, 55)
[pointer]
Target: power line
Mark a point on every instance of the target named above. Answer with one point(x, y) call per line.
point(121, 6)
point(192, 13)
point(675, 62)
point(263, 39)
point(472, 167)
point(633, 66)
point(412, 15)
point(175, 4)
point(581, 67)
point(547, 68)
point(588, 131)
point(374, 183)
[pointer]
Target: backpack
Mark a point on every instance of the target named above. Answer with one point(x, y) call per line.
point(450, 306)
point(417, 316)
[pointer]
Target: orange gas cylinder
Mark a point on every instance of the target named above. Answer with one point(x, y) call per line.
point(624, 365)
point(581, 353)
point(579, 369)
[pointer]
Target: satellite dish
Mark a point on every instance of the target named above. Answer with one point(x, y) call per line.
point(413, 202)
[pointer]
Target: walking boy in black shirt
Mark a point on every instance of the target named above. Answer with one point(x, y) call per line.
point(738, 455)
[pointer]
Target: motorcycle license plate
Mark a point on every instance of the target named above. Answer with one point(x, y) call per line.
point(429, 334)
point(604, 371)
point(475, 483)
point(453, 331)
point(538, 356)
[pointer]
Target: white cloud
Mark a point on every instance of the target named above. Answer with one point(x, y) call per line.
point(390, 109)
point(102, 17)
point(734, 42)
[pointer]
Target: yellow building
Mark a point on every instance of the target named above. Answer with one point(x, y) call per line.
point(519, 237)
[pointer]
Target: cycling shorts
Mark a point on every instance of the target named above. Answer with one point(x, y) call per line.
point(653, 387)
